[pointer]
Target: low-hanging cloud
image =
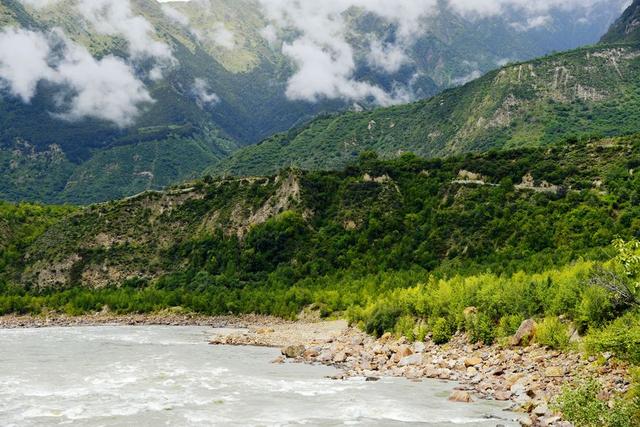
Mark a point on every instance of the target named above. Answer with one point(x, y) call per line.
point(204, 97)
point(116, 18)
point(105, 89)
point(324, 59)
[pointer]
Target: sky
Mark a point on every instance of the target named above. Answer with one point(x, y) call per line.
point(323, 59)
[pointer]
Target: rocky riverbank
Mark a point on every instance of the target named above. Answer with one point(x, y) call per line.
point(161, 319)
point(528, 376)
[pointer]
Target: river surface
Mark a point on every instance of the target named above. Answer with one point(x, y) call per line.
point(154, 376)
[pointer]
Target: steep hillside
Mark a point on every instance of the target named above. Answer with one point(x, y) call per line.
point(627, 28)
point(590, 91)
point(528, 208)
point(243, 79)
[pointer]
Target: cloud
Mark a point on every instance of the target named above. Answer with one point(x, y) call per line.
point(23, 62)
point(115, 18)
point(175, 15)
point(318, 34)
point(324, 59)
point(105, 89)
point(388, 57)
point(204, 98)
point(532, 23)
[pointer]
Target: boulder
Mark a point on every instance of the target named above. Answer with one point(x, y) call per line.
point(404, 351)
point(413, 359)
point(293, 351)
point(541, 410)
point(460, 396)
point(472, 361)
point(278, 360)
point(554, 372)
point(340, 357)
point(525, 332)
point(419, 347)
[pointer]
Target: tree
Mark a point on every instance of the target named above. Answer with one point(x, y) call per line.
point(624, 282)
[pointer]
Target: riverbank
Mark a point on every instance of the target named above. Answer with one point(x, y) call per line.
point(529, 377)
point(157, 319)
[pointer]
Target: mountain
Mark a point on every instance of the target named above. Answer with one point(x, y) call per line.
point(590, 91)
point(502, 211)
point(626, 29)
point(224, 85)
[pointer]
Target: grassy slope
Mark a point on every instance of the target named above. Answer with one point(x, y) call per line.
point(586, 91)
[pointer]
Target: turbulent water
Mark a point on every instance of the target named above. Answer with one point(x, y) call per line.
point(152, 376)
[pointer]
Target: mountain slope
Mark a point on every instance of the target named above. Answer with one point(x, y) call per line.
point(246, 78)
point(579, 93)
point(627, 28)
point(461, 212)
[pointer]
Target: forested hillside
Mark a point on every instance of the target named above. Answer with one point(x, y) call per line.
point(587, 92)
point(529, 208)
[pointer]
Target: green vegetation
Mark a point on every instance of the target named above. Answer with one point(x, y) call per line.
point(573, 94)
point(402, 246)
point(582, 406)
point(91, 161)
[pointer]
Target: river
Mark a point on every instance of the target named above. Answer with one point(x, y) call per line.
point(154, 376)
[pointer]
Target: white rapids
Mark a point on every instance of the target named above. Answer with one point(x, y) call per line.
point(154, 376)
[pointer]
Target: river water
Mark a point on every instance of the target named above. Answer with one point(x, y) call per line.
point(154, 376)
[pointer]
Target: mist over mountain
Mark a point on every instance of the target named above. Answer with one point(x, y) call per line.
point(102, 99)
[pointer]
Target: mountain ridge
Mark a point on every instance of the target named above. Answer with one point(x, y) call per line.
point(572, 94)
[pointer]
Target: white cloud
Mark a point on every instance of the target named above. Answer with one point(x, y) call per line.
point(23, 61)
point(175, 15)
point(204, 97)
point(105, 89)
point(532, 23)
point(324, 60)
point(115, 18)
point(221, 36)
point(388, 57)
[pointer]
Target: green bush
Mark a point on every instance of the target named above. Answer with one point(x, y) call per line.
point(441, 331)
point(383, 319)
point(405, 327)
point(480, 329)
point(621, 337)
point(508, 325)
point(580, 405)
point(552, 333)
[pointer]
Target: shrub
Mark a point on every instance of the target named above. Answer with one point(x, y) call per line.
point(552, 333)
point(480, 329)
point(441, 331)
point(383, 319)
point(405, 327)
point(594, 309)
point(621, 337)
point(580, 405)
point(508, 325)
